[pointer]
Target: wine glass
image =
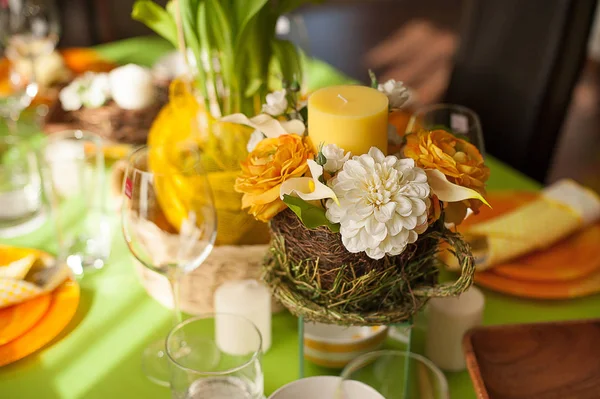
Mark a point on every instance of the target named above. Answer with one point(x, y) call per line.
point(395, 375)
point(461, 121)
point(169, 222)
point(28, 30)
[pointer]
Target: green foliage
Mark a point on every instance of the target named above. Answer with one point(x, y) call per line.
point(156, 18)
point(310, 215)
point(240, 34)
point(374, 81)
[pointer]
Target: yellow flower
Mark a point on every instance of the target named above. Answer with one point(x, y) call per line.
point(273, 161)
point(458, 159)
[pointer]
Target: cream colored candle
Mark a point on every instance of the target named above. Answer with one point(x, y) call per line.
point(354, 118)
point(247, 298)
point(448, 319)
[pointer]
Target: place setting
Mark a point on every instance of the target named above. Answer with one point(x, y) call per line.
point(249, 231)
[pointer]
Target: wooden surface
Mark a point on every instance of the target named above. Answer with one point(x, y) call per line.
point(537, 361)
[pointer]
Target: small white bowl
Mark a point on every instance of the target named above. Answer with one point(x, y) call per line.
point(335, 346)
point(325, 387)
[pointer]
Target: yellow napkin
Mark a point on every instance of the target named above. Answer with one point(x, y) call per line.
point(562, 209)
point(27, 273)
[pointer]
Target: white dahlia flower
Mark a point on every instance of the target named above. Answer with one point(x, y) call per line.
point(383, 203)
point(335, 158)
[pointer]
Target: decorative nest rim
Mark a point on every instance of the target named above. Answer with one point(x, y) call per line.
point(315, 277)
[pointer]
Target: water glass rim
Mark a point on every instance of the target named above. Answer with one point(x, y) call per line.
point(139, 152)
point(76, 134)
point(350, 367)
point(439, 106)
point(206, 316)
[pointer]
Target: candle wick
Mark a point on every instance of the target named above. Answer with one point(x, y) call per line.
point(342, 97)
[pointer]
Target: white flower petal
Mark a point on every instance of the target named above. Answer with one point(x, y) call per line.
point(385, 212)
point(255, 138)
point(308, 188)
point(276, 103)
point(396, 92)
point(450, 192)
point(268, 125)
point(376, 229)
point(335, 157)
point(375, 253)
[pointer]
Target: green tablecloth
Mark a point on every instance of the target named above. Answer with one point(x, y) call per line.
point(98, 354)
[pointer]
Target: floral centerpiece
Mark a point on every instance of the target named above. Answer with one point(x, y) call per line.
point(356, 234)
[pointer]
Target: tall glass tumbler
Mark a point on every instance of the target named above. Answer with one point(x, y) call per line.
point(216, 356)
point(22, 205)
point(396, 375)
point(75, 175)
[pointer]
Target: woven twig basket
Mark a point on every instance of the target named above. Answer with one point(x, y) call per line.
point(110, 121)
point(225, 263)
point(313, 275)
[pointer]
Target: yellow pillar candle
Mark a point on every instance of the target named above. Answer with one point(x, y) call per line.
point(354, 118)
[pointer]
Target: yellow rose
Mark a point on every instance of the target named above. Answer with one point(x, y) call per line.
point(272, 162)
point(458, 159)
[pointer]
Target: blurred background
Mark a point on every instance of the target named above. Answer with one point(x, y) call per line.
point(530, 69)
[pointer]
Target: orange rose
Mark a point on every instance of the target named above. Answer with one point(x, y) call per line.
point(272, 162)
point(458, 159)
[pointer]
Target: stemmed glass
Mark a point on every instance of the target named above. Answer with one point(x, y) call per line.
point(28, 30)
point(461, 121)
point(169, 223)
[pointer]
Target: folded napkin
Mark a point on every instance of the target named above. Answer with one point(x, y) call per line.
point(27, 273)
point(562, 209)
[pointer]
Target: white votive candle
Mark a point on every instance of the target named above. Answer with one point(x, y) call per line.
point(66, 160)
point(448, 321)
point(247, 298)
point(132, 87)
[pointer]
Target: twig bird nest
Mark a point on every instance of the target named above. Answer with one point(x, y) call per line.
point(314, 276)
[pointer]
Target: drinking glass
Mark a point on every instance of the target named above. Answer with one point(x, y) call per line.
point(456, 119)
point(396, 375)
point(28, 29)
point(22, 205)
point(75, 178)
point(169, 223)
point(216, 356)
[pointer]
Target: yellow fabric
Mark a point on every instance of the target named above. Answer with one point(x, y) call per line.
point(223, 146)
point(534, 226)
point(16, 267)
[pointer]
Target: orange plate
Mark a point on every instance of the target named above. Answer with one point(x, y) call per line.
point(588, 285)
point(17, 319)
point(63, 304)
point(569, 269)
point(571, 259)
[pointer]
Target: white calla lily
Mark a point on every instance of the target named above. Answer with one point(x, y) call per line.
point(268, 125)
point(450, 192)
point(308, 188)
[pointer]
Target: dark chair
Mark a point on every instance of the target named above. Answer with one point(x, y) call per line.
point(516, 66)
